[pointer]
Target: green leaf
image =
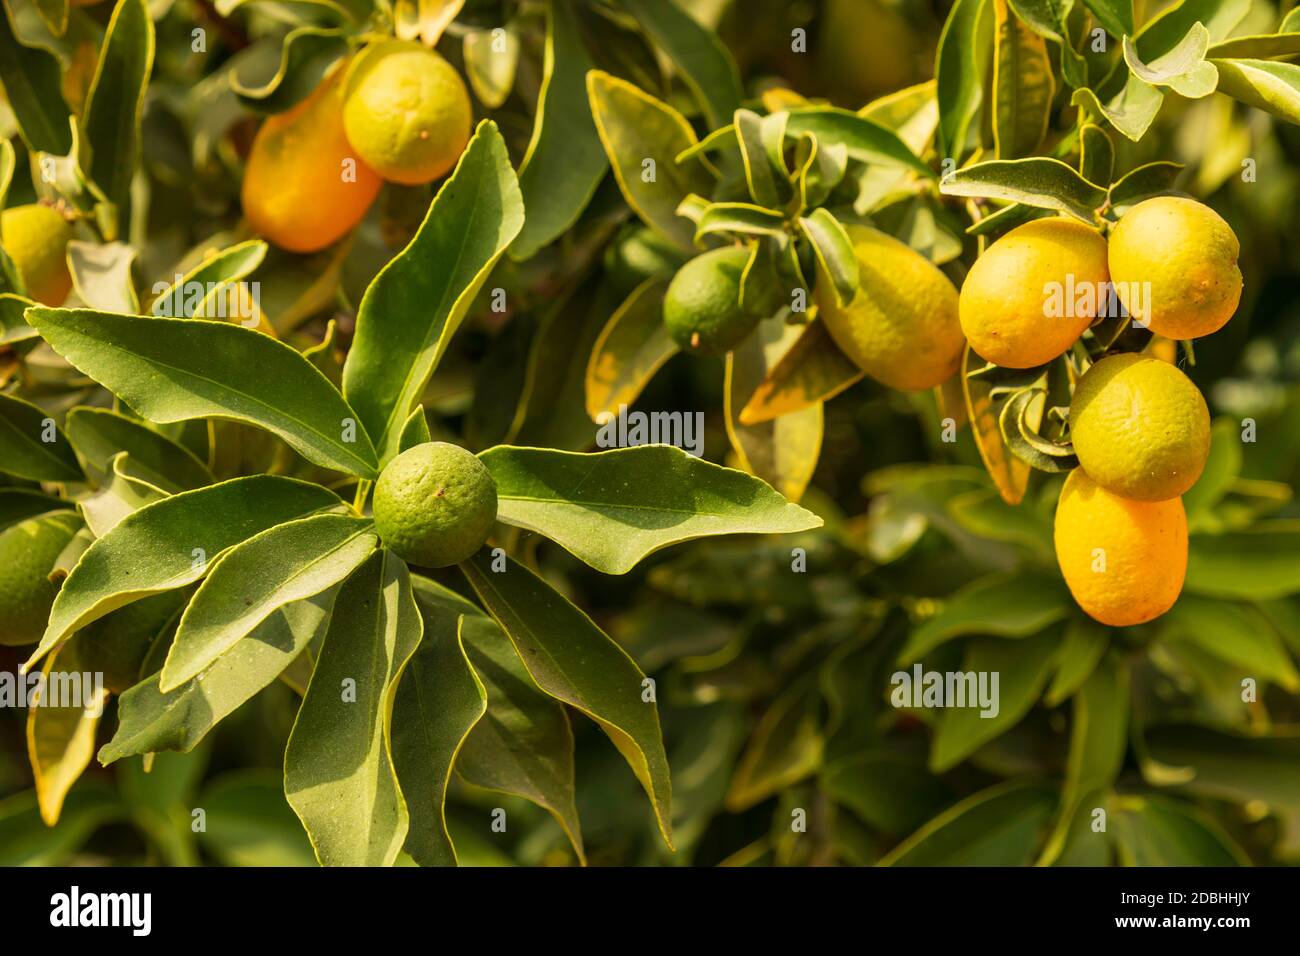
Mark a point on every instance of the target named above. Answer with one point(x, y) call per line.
point(491, 70)
point(338, 767)
point(250, 824)
point(893, 792)
point(1000, 826)
point(306, 55)
point(782, 452)
point(642, 137)
point(110, 123)
point(170, 544)
point(439, 700)
point(19, 504)
point(1096, 154)
point(150, 720)
point(866, 140)
point(99, 435)
point(812, 370)
point(1115, 16)
point(416, 303)
point(1022, 87)
point(25, 451)
point(1280, 45)
point(836, 259)
point(26, 841)
point(1237, 634)
point(101, 275)
point(1183, 69)
point(1098, 741)
point(1260, 563)
point(33, 87)
point(1222, 469)
point(760, 174)
point(13, 323)
point(1040, 181)
point(171, 370)
point(1131, 111)
point(1002, 605)
point(742, 218)
point(1082, 647)
point(1153, 179)
point(290, 562)
point(1156, 831)
point(613, 508)
point(181, 299)
point(960, 67)
point(701, 58)
point(785, 747)
point(1022, 668)
point(1231, 765)
point(1271, 86)
point(574, 661)
point(61, 734)
point(523, 745)
point(415, 431)
point(128, 489)
point(1163, 32)
point(633, 346)
point(565, 161)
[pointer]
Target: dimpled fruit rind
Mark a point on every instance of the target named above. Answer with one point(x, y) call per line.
point(36, 238)
point(902, 327)
point(407, 112)
point(305, 187)
point(1008, 294)
point(435, 504)
point(1188, 254)
point(1123, 560)
point(1140, 428)
point(28, 551)
point(702, 306)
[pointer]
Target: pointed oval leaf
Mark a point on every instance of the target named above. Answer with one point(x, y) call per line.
point(1039, 181)
point(416, 303)
point(565, 161)
point(179, 300)
point(964, 52)
point(110, 122)
point(150, 720)
point(1269, 85)
point(613, 508)
point(865, 140)
point(33, 86)
point(171, 370)
point(439, 700)
point(1023, 86)
point(523, 745)
point(574, 661)
point(1001, 826)
point(338, 765)
point(290, 562)
point(99, 434)
point(101, 275)
point(24, 451)
point(812, 370)
point(643, 137)
point(61, 734)
point(633, 346)
point(834, 251)
point(170, 544)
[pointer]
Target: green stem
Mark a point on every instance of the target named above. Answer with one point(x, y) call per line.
point(359, 501)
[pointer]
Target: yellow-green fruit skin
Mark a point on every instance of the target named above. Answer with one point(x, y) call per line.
point(435, 504)
point(28, 551)
point(407, 112)
point(1188, 255)
point(304, 185)
point(36, 238)
point(702, 305)
point(902, 326)
point(1016, 310)
point(1140, 428)
point(1123, 560)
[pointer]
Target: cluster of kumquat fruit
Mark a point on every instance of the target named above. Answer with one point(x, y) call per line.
point(397, 111)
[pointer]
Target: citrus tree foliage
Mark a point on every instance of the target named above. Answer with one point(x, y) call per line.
point(657, 656)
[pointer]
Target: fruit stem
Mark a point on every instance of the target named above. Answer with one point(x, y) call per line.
point(359, 501)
